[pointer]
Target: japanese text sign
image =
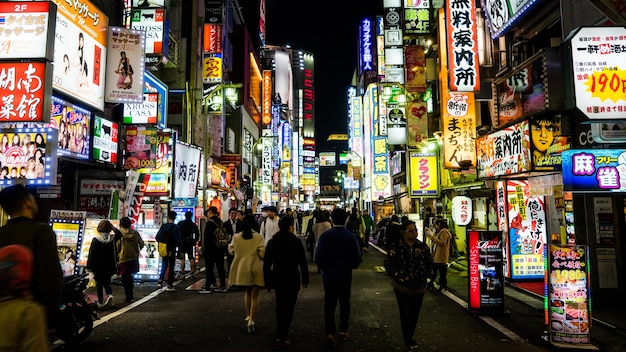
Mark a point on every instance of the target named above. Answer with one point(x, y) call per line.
point(599, 71)
point(125, 65)
point(153, 23)
point(594, 170)
point(25, 91)
point(462, 46)
point(27, 31)
point(459, 129)
point(527, 231)
point(186, 170)
point(424, 176)
point(504, 152)
point(569, 296)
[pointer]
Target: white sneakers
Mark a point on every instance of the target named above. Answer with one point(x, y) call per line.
point(106, 301)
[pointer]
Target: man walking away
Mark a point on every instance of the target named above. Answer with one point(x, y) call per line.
point(283, 265)
point(189, 235)
point(22, 229)
point(338, 253)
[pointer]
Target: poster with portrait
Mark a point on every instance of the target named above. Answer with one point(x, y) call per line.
point(547, 142)
point(149, 260)
point(69, 233)
point(80, 51)
point(28, 154)
point(72, 122)
point(125, 65)
point(140, 147)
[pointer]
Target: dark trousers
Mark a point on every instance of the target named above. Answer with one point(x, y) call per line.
point(333, 293)
point(410, 306)
point(442, 270)
point(216, 259)
point(167, 266)
point(285, 305)
point(229, 260)
point(103, 283)
point(127, 270)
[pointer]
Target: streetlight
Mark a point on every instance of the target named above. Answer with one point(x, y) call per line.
point(340, 177)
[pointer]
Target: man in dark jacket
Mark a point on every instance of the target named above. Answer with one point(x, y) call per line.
point(21, 228)
point(213, 256)
point(189, 235)
point(338, 253)
point(284, 254)
point(172, 233)
point(393, 231)
point(232, 226)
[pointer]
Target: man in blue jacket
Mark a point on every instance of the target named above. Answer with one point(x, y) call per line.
point(338, 253)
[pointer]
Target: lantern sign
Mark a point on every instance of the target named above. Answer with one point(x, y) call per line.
point(461, 210)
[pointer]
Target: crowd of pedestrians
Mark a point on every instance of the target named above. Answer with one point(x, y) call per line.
point(259, 254)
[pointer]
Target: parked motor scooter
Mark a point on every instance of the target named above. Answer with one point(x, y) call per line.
point(77, 312)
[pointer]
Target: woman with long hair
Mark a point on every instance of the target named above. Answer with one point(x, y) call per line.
point(246, 271)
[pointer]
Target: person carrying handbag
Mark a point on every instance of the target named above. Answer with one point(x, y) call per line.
point(128, 247)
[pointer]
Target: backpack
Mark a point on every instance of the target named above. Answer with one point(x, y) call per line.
point(164, 236)
point(221, 236)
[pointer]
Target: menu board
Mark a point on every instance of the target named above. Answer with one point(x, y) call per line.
point(69, 235)
point(568, 314)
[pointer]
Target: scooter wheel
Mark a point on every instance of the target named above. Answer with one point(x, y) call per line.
point(76, 325)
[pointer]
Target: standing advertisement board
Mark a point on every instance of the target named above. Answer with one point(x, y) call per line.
point(568, 306)
point(486, 276)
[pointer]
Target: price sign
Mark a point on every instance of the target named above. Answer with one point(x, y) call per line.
point(599, 71)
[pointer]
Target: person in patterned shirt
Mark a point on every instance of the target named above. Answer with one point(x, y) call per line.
point(409, 263)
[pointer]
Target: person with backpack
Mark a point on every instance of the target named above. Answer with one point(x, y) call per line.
point(356, 225)
point(214, 253)
point(169, 233)
point(128, 247)
point(189, 234)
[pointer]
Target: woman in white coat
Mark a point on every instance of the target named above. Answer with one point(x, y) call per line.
point(246, 271)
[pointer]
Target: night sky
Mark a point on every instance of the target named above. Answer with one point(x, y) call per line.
point(328, 30)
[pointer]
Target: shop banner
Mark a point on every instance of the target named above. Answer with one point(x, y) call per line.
point(485, 276)
point(105, 140)
point(186, 170)
point(154, 85)
point(504, 152)
point(29, 154)
point(95, 196)
point(459, 129)
point(80, 51)
point(599, 71)
point(159, 180)
point(594, 170)
point(145, 112)
point(416, 123)
point(25, 91)
point(27, 29)
point(125, 65)
point(569, 297)
point(140, 149)
point(424, 174)
point(462, 44)
point(69, 234)
point(73, 124)
point(527, 231)
point(153, 22)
